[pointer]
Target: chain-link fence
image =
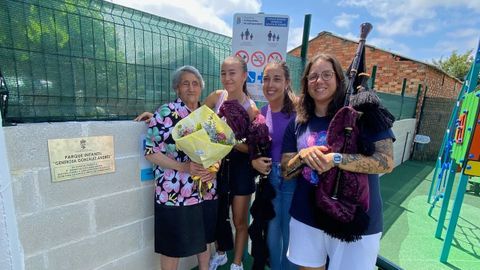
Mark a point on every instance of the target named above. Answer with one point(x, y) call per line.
point(94, 60)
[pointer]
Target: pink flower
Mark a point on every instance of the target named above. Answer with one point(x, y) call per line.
point(163, 197)
point(161, 147)
point(153, 122)
point(190, 201)
point(221, 137)
point(210, 195)
point(183, 176)
point(169, 185)
point(166, 135)
point(186, 190)
point(182, 112)
point(167, 122)
point(169, 174)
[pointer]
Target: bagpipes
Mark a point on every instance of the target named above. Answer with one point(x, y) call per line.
point(342, 197)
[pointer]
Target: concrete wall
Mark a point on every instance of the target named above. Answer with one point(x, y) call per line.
point(99, 222)
point(404, 131)
point(11, 255)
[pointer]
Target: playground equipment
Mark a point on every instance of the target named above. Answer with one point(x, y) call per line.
point(460, 153)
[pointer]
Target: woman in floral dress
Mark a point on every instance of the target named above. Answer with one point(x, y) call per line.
point(184, 219)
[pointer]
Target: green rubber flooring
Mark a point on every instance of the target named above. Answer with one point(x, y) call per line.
point(409, 238)
point(409, 232)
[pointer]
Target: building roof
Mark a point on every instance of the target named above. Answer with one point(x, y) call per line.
point(326, 33)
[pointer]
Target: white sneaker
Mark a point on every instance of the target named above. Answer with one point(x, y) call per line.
point(234, 266)
point(217, 260)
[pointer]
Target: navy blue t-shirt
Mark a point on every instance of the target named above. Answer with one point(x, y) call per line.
point(315, 133)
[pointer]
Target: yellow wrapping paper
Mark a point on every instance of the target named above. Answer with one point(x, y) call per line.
point(198, 145)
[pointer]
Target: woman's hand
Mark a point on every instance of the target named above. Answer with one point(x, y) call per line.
point(145, 116)
point(263, 165)
point(197, 170)
point(316, 158)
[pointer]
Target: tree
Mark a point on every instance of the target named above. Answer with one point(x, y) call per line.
point(456, 65)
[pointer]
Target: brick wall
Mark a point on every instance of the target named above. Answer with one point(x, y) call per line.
point(391, 68)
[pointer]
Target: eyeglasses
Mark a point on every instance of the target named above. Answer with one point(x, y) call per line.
point(187, 83)
point(326, 76)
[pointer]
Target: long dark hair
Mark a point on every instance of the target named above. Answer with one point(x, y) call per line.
point(289, 98)
point(306, 104)
point(244, 68)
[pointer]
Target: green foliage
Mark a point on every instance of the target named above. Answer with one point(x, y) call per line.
point(456, 65)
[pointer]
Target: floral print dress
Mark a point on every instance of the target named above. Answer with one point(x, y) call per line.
point(172, 187)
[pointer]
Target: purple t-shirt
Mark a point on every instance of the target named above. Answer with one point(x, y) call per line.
point(277, 123)
point(314, 133)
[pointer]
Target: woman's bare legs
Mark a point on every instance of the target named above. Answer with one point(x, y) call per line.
point(240, 207)
point(168, 263)
point(204, 259)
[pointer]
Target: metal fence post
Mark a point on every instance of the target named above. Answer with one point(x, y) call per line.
point(373, 76)
point(404, 85)
point(306, 33)
point(419, 91)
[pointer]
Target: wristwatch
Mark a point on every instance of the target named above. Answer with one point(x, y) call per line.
point(337, 159)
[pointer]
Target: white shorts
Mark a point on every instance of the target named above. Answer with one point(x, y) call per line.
point(310, 247)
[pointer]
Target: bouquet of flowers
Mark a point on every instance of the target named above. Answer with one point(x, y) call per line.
point(236, 117)
point(258, 138)
point(205, 138)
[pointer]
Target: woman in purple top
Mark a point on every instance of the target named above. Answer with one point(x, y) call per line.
point(279, 111)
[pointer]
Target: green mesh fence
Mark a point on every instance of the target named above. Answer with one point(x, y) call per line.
point(401, 107)
point(93, 60)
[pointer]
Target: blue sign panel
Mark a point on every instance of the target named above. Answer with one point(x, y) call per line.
point(276, 21)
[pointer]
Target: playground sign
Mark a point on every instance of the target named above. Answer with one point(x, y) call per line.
point(259, 39)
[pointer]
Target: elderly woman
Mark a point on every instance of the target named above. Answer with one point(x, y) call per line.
point(184, 219)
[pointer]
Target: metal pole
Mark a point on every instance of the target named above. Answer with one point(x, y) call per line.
point(306, 33)
point(404, 85)
point(372, 77)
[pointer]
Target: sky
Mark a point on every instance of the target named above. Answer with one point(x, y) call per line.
point(418, 29)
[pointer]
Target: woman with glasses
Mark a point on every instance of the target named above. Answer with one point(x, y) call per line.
point(322, 95)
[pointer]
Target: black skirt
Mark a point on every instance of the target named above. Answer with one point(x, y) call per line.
point(182, 231)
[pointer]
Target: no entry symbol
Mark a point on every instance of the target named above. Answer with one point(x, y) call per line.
point(243, 54)
point(258, 59)
point(274, 56)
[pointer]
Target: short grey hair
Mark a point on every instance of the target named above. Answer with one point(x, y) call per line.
point(177, 75)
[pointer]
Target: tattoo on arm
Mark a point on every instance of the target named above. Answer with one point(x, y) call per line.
point(381, 161)
point(286, 158)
